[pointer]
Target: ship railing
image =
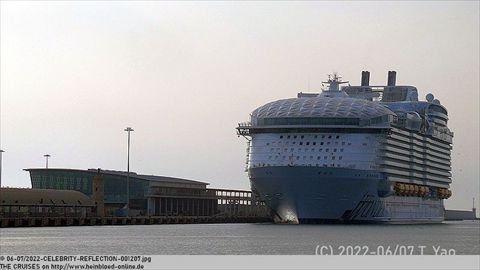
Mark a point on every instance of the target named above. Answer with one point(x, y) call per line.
point(243, 129)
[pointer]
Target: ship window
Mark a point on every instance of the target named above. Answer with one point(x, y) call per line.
point(308, 143)
point(301, 143)
point(321, 143)
point(288, 137)
point(337, 137)
point(302, 137)
point(329, 137)
point(314, 143)
point(281, 137)
point(295, 136)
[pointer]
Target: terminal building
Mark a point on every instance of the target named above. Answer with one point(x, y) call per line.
point(150, 195)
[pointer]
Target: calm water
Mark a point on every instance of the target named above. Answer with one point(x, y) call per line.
point(234, 238)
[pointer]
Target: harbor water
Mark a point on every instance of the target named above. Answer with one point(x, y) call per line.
point(233, 239)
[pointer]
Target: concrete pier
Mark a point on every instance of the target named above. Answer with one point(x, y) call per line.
point(110, 221)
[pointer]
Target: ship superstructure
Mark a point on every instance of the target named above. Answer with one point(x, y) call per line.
point(351, 154)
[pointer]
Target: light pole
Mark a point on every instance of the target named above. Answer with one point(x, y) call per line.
point(46, 160)
point(128, 130)
point(1, 152)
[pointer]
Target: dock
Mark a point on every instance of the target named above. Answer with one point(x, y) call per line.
point(111, 221)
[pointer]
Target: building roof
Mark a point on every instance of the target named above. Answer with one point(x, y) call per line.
point(158, 178)
point(48, 197)
point(321, 107)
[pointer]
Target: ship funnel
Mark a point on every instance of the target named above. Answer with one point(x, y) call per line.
point(392, 78)
point(365, 78)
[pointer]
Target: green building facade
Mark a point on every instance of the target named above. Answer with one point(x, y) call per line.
point(115, 184)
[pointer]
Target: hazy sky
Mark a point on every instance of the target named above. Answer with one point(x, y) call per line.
point(75, 74)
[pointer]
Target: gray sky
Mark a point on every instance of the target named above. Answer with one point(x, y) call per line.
point(75, 74)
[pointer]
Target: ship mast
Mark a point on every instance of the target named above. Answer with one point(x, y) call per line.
point(334, 82)
point(333, 90)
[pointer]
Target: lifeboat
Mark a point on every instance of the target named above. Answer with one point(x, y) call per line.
point(416, 190)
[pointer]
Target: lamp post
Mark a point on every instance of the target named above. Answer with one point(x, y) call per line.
point(46, 160)
point(1, 152)
point(128, 130)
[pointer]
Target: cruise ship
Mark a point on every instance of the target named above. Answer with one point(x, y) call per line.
point(351, 154)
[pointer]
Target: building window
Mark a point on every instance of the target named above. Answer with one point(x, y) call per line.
point(337, 137)
point(281, 137)
point(314, 143)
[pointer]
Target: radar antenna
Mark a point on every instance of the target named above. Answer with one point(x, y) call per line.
point(334, 82)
